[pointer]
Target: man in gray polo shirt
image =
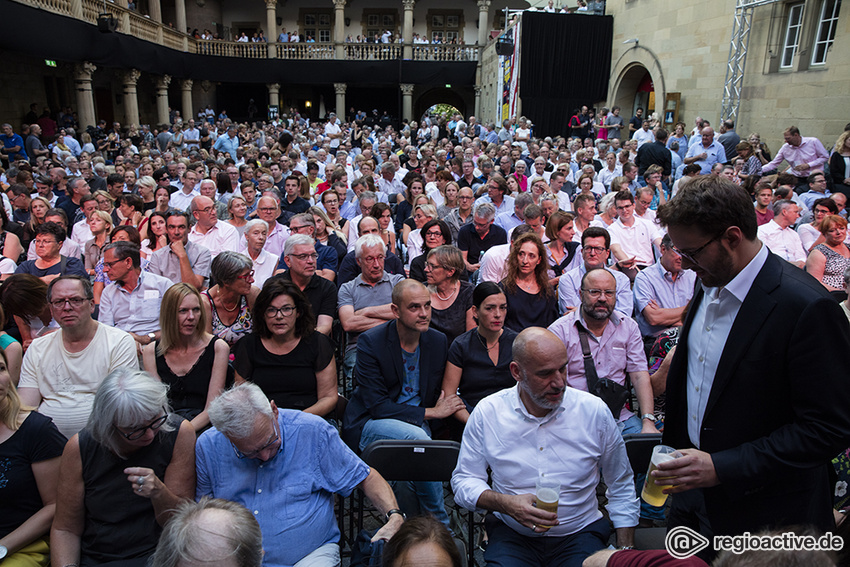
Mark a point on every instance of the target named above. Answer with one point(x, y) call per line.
point(181, 260)
point(365, 301)
point(131, 302)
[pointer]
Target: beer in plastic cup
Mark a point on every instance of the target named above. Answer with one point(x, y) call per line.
point(546, 496)
point(651, 492)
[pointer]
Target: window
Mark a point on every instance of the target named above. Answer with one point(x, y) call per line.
point(317, 25)
point(826, 30)
point(445, 26)
point(376, 22)
point(792, 36)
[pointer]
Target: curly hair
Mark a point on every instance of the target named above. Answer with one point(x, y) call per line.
point(539, 271)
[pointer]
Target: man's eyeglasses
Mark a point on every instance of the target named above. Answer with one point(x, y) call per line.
point(140, 432)
point(691, 255)
point(597, 293)
point(110, 264)
point(594, 249)
point(302, 257)
point(75, 302)
point(253, 454)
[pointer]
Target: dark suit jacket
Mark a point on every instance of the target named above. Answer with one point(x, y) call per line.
point(779, 407)
point(380, 375)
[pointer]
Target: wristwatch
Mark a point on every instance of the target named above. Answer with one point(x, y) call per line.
point(395, 511)
point(648, 416)
point(152, 336)
point(3, 552)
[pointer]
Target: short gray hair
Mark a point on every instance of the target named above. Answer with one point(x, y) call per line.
point(368, 241)
point(781, 205)
point(126, 398)
point(234, 411)
point(523, 200)
point(210, 530)
point(485, 211)
point(228, 265)
point(296, 240)
point(255, 222)
point(365, 195)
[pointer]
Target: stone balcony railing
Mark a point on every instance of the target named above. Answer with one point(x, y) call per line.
point(146, 28)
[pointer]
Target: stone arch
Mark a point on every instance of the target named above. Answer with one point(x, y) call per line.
point(627, 75)
point(455, 97)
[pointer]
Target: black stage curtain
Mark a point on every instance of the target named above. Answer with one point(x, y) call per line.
point(566, 62)
point(67, 39)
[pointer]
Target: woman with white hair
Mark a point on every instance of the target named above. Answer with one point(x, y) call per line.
point(264, 262)
point(122, 476)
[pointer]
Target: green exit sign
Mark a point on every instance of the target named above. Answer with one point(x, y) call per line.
point(50, 63)
point(448, 86)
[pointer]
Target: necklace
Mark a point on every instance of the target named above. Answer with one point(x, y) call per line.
point(450, 295)
point(484, 341)
point(229, 310)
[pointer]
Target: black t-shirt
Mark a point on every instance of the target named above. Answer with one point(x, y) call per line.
point(637, 122)
point(468, 239)
point(320, 292)
point(36, 440)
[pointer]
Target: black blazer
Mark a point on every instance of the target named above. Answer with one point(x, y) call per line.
point(779, 407)
point(380, 375)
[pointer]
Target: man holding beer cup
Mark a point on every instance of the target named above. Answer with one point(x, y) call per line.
point(757, 396)
point(546, 446)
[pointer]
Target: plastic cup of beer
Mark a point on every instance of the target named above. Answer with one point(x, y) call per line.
point(546, 494)
point(651, 492)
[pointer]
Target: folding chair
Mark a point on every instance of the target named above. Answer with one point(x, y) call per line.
point(406, 460)
point(639, 450)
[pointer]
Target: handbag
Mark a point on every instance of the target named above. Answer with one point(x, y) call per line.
point(613, 394)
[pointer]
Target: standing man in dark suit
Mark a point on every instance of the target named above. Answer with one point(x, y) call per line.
point(757, 396)
point(400, 366)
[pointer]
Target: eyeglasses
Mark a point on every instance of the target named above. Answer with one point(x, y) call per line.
point(110, 264)
point(597, 293)
point(434, 234)
point(691, 255)
point(253, 454)
point(46, 242)
point(248, 276)
point(75, 302)
point(140, 432)
point(286, 311)
point(267, 209)
point(302, 257)
point(594, 249)
point(205, 210)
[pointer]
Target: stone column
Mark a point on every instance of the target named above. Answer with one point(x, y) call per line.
point(271, 25)
point(85, 101)
point(131, 100)
point(483, 23)
point(406, 101)
point(339, 31)
point(180, 10)
point(407, 29)
point(340, 100)
point(77, 9)
point(478, 102)
point(155, 8)
point(186, 88)
point(274, 94)
point(162, 99)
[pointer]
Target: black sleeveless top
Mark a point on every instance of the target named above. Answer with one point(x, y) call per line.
point(120, 525)
point(187, 394)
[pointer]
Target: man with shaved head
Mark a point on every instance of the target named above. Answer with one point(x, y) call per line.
point(524, 433)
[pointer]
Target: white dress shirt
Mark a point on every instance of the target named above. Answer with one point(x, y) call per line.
point(636, 240)
point(134, 311)
point(783, 242)
point(222, 236)
point(181, 201)
point(572, 444)
point(709, 330)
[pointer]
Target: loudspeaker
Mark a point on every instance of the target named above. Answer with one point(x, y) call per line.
point(505, 48)
point(106, 23)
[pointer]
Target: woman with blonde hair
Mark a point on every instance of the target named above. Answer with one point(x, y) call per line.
point(422, 213)
point(532, 301)
point(190, 360)
point(326, 233)
point(30, 450)
point(100, 224)
point(38, 210)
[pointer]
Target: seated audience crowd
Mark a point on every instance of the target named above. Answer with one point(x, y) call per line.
point(235, 320)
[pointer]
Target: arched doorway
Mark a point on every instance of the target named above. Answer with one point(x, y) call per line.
point(637, 81)
point(440, 96)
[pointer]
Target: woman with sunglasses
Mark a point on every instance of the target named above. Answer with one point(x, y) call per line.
point(285, 355)
point(191, 361)
point(230, 302)
point(122, 476)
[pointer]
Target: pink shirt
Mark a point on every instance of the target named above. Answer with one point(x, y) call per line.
point(810, 151)
point(617, 351)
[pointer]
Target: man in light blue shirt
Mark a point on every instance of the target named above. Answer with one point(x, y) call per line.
point(706, 153)
point(228, 142)
point(662, 291)
point(285, 466)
